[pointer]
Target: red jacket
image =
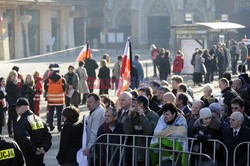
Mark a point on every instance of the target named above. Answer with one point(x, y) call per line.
point(178, 64)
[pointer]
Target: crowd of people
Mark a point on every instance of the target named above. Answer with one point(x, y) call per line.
point(160, 109)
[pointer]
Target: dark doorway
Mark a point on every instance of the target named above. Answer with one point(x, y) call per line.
point(159, 31)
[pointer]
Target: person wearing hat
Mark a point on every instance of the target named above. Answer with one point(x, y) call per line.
point(54, 87)
point(216, 110)
point(202, 131)
point(140, 121)
point(31, 134)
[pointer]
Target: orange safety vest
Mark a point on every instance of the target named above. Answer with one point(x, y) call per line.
point(55, 94)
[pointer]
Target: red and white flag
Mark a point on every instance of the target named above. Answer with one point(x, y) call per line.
point(125, 72)
point(84, 54)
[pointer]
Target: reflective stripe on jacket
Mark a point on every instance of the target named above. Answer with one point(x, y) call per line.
point(55, 95)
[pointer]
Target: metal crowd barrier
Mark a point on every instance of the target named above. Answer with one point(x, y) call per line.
point(248, 152)
point(113, 150)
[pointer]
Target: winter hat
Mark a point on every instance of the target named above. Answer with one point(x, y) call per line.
point(21, 102)
point(56, 67)
point(215, 107)
point(143, 99)
point(205, 113)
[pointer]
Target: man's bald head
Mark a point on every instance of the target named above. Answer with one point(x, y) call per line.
point(169, 97)
point(125, 100)
point(237, 84)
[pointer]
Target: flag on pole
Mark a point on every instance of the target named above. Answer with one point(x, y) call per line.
point(84, 54)
point(125, 72)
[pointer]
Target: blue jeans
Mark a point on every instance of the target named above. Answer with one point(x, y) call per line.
point(59, 116)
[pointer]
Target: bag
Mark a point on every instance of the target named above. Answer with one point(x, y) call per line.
point(203, 69)
point(76, 98)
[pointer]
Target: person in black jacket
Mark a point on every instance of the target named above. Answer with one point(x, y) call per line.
point(71, 137)
point(203, 130)
point(233, 136)
point(28, 90)
point(31, 134)
point(10, 153)
point(91, 65)
point(110, 126)
point(134, 78)
point(104, 77)
point(228, 93)
point(238, 104)
point(163, 64)
point(13, 94)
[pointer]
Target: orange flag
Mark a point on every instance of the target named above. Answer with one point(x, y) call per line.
point(84, 54)
point(125, 77)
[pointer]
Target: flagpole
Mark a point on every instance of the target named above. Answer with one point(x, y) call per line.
point(87, 51)
point(130, 56)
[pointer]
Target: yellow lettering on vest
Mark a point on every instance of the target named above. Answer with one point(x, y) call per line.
point(7, 154)
point(36, 125)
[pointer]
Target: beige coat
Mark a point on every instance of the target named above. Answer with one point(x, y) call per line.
point(83, 86)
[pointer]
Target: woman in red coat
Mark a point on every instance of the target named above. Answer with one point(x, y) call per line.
point(178, 63)
point(38, 92)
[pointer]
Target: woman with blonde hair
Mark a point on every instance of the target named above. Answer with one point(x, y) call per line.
point(208, 98)
point(28, 91)
point(107, 58)
point(38, 90)
point(13, 94)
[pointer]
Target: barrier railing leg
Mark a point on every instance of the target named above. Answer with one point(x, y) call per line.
point(123, 150)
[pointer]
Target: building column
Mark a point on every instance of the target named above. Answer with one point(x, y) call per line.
point(45, 30)
point(135, 28)
point(67, 28)
point(4, 40)
point(19, 39)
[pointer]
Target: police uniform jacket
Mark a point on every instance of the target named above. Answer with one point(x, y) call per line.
point(10, 153)
point(32, 133)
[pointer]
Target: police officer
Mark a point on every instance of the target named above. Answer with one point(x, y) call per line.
point(10, 153)
point(31, 134)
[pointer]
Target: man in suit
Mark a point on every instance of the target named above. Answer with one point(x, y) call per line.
point(233, 136)
point(125, 101)
point(182, 102)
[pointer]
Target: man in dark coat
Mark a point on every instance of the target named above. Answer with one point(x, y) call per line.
point(135, 78)
point(91, 65)
point(110, 126)
point(233, 136)
point(228, 93)
point(238, 104)
point(234, 56)
point(163, 64)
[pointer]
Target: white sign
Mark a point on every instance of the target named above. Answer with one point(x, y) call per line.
point(224, 17)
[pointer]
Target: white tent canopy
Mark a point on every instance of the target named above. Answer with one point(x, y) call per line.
point(221, 25)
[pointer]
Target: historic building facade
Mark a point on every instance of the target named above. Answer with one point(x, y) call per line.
point(150, 21)
point(31, 27)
